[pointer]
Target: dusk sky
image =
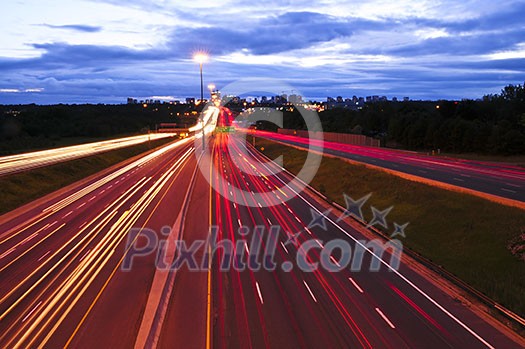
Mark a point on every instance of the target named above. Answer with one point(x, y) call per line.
point(102, 51)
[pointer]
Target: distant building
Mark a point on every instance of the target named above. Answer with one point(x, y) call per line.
point(132, 100)
point(296, 99)
point(190, 100)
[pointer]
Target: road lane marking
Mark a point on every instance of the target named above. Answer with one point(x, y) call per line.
point(81, 205)
point(269, 221)
point(282, 244)
point(458, 179)
point(259, 292)
point(356, 285)
point(239, 221)
point(310, 291)
point(508, 190)
point(399, 274)
point(67, 214)
point(385, 318)
point(513, 185)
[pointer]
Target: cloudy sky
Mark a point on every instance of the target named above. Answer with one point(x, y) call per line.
point(75, 51)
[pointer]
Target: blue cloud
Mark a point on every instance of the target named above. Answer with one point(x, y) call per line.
point(443, 67)
point(75, 27)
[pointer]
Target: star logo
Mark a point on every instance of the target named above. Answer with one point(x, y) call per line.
point(380, 217)
point(292, 238)
point(399, 230)
point(318, 220)
point(354, 207)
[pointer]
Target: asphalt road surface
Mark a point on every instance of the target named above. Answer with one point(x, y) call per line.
point(27, 161)
point(63, 282)
point(498, 179)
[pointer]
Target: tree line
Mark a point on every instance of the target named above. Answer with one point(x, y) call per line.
point(494, 124)
point(24, 127)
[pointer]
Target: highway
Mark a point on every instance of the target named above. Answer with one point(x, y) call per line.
point(498, 179)
point(64, 284)
point(384, 309)
point(60, 260)
point(27, 161)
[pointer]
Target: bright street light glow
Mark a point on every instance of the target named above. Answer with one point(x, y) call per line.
point(200, 57)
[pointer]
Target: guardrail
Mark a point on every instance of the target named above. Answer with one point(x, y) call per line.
point(344, 138)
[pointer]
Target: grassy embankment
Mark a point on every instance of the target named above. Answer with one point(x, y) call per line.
point(21, 188)
point(466, 235)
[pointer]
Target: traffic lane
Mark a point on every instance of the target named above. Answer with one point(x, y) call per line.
point(115, 316)
point(55, 288)
point(190, 288)
point(75, 215)
point(315, 324)
point(235, 300)
point(500, 170)
point(472, 320)
point(8, 222)
point(349, 325)
point(27, 161)
point(511, 187)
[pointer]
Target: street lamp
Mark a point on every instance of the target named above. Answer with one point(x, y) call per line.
point(201, 58)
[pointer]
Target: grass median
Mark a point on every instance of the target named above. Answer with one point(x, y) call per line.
point(466, 235)
point(20, 188)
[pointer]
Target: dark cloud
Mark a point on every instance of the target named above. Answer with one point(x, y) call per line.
point(75, 27)
point(276, 34)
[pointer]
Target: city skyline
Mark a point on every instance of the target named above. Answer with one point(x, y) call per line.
point(103, 51)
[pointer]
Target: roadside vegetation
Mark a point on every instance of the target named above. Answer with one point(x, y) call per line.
point(21, 188)
point(468, 236)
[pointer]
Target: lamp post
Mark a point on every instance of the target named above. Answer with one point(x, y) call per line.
point(201, 58)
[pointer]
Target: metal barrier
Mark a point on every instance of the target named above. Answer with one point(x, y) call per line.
point(344, 138)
